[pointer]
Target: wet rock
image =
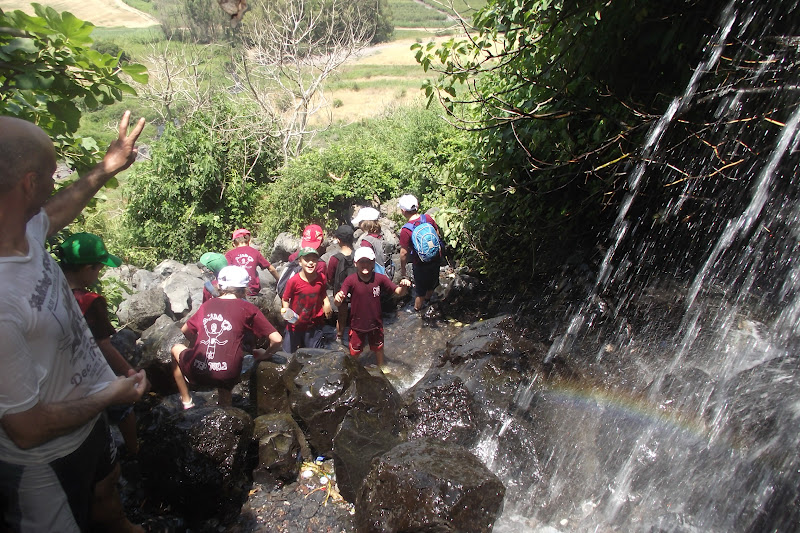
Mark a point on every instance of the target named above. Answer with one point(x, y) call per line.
point(281, 448)
point(465, 297)
point(366, 432)
point(427, 485)
point(440, 406)
point(478, 340)
point(141, 310)
point(326, 385)
point(268, 388)
point(157, 341)
point(195, 460)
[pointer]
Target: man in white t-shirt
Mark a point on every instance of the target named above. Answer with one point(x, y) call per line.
point(57, 463)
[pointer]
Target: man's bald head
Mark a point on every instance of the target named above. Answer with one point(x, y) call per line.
point(24, 147)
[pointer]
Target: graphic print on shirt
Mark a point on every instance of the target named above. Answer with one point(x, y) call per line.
point(244, 260)
point(376, 291)
point(215, 325)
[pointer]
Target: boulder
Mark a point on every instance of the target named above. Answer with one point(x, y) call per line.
point(156, 342)
point(268, 388)
point(440, 406)
point(141, 310)
point(125, 341)
point(168, 267)
point(181, 288)
point(195, 460)
point(285, 245)
point(281, 445)
point(428, 485)
point(324, 385)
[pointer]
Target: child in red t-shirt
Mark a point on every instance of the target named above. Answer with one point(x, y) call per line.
point(246, 256)
point(216, 332)
point(365, 288)
point(305, 303)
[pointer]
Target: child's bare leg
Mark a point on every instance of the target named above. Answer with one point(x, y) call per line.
point(379, 356)
point(224, 397)
point(127, 427)
point(180, 381)
point(419, 302)
point(107, 511)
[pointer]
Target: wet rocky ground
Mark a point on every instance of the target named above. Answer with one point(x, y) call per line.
point(310, 504)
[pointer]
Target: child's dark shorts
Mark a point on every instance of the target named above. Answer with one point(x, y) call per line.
point(308, 338)
point(426, 277)
point(359, 338)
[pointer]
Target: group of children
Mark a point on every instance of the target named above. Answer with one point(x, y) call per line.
point(227, 322)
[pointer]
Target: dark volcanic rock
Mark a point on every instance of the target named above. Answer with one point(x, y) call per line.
point(195, 460)
point(427, 485)
point(280, 444)
point(440, 406)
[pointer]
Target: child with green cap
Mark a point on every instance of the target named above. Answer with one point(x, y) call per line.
point(214, 262)
point(83, 256)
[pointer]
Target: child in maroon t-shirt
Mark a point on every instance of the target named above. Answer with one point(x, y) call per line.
point(365, 288)
point(246, 256)
point(216, 332)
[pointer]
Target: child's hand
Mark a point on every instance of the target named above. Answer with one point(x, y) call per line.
point(405, 282)
point(339, 298)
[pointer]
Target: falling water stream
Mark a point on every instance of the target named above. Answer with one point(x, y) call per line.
point(712, 443)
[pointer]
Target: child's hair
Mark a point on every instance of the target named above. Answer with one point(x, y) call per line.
point(241, 239)
point(370, 226)
point(240, 292)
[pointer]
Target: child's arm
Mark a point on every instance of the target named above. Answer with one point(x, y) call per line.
point(402, 287)
point(339, 297)
point(189, 334)
point(274, 272)
point(284, 304)
point(326, 307)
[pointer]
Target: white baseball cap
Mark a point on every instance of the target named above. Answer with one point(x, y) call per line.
point(365, 213)
point(408, 202)
point(233, 276)
point(364, 252)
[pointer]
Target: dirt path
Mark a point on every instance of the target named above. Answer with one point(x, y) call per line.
point(105, 13)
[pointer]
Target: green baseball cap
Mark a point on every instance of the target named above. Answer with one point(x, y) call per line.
point(213, 261)
point(87, 249)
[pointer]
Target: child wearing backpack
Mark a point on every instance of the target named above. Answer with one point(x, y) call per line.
point(244, 255)
point(216, 333)
point(306, 295)
point(341, 265)
point(367, 221)
point(365, 289)
point(420, 242)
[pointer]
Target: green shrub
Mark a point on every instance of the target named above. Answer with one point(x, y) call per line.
point(203, 179)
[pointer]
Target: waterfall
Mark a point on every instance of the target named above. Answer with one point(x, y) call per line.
point(710, 442)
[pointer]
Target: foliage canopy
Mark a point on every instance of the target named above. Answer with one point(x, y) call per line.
point(50, 75)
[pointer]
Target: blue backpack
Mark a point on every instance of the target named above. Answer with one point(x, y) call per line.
point(424, 239)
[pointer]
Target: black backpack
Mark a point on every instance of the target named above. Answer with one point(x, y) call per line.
point(292, 268)
point(344, 268)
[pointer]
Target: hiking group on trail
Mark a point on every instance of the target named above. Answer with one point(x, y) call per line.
point(63, 381)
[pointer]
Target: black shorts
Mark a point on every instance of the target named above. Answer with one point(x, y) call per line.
point(426, 277)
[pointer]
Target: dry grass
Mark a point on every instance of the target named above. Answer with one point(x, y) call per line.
point(106, 13)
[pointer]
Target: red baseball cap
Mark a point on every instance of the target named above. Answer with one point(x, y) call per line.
point(312, 236)
point(239, 232)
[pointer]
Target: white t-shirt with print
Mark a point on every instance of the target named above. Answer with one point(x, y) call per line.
point(47, 353)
